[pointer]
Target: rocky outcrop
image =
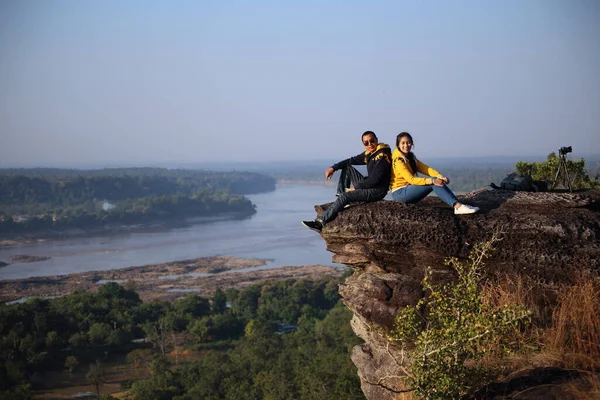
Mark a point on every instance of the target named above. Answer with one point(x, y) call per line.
point(544, 236)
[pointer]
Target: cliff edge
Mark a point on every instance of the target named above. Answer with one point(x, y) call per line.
point(545, 237)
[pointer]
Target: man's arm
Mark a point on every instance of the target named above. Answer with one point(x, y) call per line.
point(381, 167)
point(356, 160)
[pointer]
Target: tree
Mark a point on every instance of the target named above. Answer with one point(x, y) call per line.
point(99, 333)
point(159, 333)
point(71, 362)
point(96, 376)
point(219, 302)
point(200, 328)
point(546, 171)
point(193, 305)
point(139, 356)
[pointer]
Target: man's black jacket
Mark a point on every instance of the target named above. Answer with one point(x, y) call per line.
point(379, 167)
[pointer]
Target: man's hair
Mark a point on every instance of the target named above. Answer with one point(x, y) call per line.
point(369, 133)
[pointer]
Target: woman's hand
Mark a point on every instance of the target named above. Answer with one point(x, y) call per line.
point(437, 181)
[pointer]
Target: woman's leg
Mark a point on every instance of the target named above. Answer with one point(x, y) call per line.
point(411, 194)
point(445, 195)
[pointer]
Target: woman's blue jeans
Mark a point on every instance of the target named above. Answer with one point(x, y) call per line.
point(414, 193)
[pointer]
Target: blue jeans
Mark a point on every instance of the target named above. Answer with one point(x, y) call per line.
point(349, 177)
point(413, 193)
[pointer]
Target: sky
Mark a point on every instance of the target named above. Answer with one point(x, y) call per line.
point(149, 82)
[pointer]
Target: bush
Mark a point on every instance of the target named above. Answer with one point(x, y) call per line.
point(451, 329)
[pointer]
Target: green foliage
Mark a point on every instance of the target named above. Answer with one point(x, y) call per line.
point(242, 357)
point(546, 171)
point(451, 329)
point(71, 362)
point(307, 364)
point(139, 357)
point(99, 333)
point(96, 376)
point(159, 333)
point(219, 302)
point(33, 200)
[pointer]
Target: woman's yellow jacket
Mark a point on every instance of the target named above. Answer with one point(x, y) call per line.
point(403, 175)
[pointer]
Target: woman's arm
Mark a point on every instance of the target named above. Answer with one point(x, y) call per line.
point(427, 170)
point(401, 168)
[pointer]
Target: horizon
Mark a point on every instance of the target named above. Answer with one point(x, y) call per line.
point(500, 160)
point(138, 83)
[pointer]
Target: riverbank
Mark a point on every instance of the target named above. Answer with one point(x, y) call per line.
point(322, 182)
point(166, 281)
point(7, 240)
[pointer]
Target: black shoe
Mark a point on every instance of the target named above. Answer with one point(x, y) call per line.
point(316, 226)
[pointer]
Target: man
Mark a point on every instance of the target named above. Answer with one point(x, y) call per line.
point(353, 186)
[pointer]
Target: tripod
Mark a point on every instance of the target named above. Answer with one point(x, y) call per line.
point(562, 172)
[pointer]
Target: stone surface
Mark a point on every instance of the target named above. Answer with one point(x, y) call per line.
point(544, 236)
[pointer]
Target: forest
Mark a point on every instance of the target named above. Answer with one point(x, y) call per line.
point(288, 339)
point(41, 199)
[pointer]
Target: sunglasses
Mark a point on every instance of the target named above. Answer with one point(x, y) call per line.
point(370, 141)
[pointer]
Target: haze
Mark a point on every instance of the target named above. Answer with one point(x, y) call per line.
point(146, 82)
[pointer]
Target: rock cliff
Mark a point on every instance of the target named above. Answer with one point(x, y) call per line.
point(389, 244)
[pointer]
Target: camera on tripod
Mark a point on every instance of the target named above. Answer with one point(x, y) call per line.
point(565, 150)
point(562, 172)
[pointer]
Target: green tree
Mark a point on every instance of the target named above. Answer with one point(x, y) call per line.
point(219, 302)
point(139, 356)
point(546, 171)
point(71, 362)
point(99, 333)
point(200, 328)
point(159, 333)
point(96, 376)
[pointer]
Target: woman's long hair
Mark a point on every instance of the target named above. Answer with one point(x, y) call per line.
point(412, 160)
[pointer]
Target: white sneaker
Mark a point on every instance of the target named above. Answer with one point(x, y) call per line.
point(465, 209)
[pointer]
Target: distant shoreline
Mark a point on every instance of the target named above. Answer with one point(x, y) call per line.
point(165, 281)
point(114, 228)
point(305, 182)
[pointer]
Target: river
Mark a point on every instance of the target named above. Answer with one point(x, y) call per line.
point(274, 232)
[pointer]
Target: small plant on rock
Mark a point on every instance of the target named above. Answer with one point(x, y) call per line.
point(450, 330)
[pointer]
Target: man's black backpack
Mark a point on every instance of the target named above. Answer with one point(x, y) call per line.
point(521, 183)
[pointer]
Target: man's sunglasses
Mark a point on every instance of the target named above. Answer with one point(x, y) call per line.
point(370, 141)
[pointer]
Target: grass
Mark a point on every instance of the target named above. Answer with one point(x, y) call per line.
point(565, 332)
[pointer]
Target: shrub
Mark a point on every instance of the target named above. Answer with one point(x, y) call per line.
point(451, 329)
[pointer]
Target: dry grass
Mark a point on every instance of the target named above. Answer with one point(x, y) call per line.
point(575, 330)
point(565, 329)
point(585, 388)
point(509, 290)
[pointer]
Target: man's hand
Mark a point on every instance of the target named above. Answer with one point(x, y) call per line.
point(350, 189)
point(445, 179)
point(329, 173)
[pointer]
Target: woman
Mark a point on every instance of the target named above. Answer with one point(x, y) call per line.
point(408, 188)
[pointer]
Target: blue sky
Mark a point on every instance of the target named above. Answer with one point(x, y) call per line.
point(145, 82)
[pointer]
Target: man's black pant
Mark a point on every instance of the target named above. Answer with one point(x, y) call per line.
point(349, 177)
